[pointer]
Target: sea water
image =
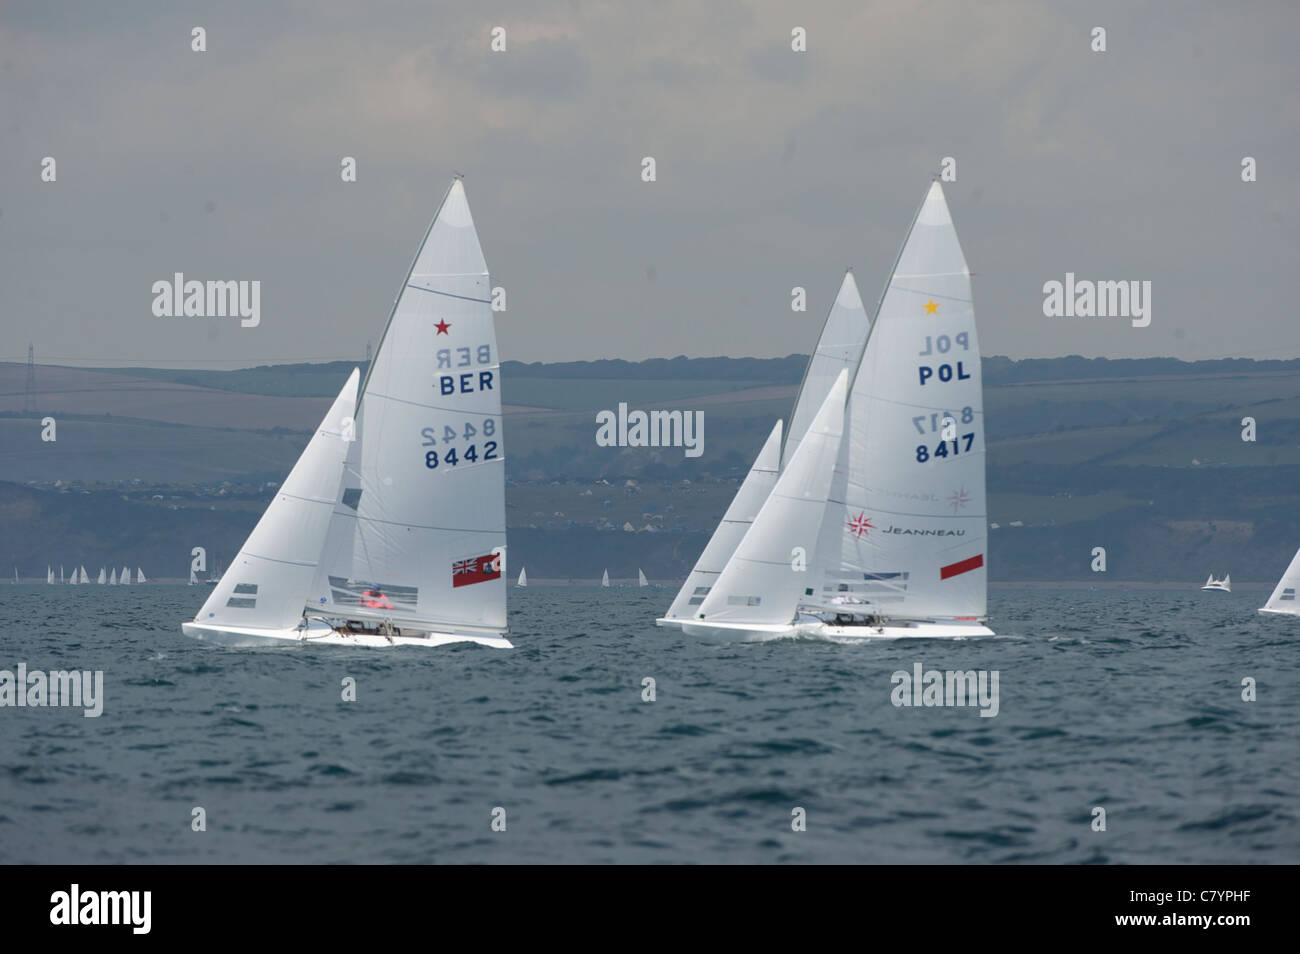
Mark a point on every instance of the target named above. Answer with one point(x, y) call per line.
point(1127, 702)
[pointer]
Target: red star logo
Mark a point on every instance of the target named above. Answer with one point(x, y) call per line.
point(442, 326)
point(860, 524)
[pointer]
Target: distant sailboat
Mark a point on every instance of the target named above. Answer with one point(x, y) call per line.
point(604, 578)
point(125, 578)
point(1225, 584)
point(103, 576)
point(139, 576)
point(85, 578)
point(1283, 601)
point(390, 529)
point(112, 579)
point(61, 580)
point(523, 577)
point(640, 578)
point(887, 505)
point(49, 574)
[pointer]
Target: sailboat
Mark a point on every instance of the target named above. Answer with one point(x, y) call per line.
point(898, 465)
point(61, 579)
point(112, 579)
point(84, 577)
point(604, 578)
point(523, 577)
point(125, 578)
point(640, 578)
point(139, 576)
point(49, 574)
point(1224, 585)
point(843, 336)
point(1283, 601)
point(390, 529)
point(103, 576)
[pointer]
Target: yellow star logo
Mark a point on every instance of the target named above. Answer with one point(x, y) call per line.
point(931, 307)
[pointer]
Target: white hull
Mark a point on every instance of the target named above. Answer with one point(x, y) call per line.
point(669, 623)
point(815, 629)
point(319, 633)
point(1218, 587)
point(1278, 612)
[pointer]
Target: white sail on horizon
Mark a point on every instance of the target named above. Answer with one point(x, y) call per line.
point(640, 578)
point(604, 578)
point(139, 576)
point(112, 578)
point(523, 577)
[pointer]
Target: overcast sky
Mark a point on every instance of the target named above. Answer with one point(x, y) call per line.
point(775, 169)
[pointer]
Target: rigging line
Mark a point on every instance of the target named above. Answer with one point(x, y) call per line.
point(434, 291)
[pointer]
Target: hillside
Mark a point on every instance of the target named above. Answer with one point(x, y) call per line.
point(1142, 456)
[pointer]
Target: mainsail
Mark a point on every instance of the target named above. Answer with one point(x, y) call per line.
point(640, 578)
point(763, 580)
point(139, 576)
point(523, 577)
point(418, 536)
point(265, 583)
point(843, 337)
point(905, 530)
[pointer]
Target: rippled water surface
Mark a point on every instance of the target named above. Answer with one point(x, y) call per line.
point(1122, 699)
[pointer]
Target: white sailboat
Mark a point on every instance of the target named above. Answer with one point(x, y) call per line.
point(103, 576)
point(523, 577)
point(125, 577)
point(901, 546)
point(112, 579)
point(84, 577)
point(61, 579)
point(640, 578)
point(139, 576)
point(49, 574)
point(1224, 585)
point(1283, 599)
point(843, 338)
point(391, 530)
point(604, 578)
